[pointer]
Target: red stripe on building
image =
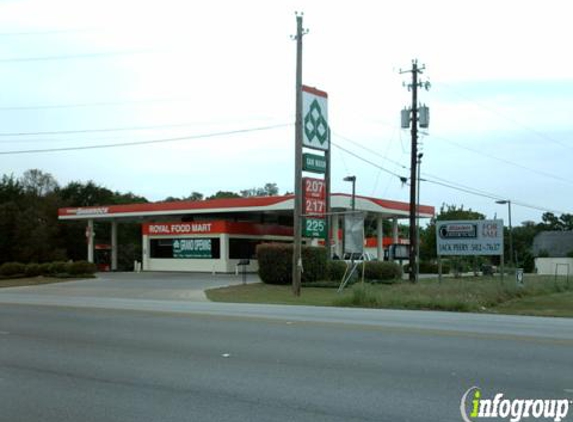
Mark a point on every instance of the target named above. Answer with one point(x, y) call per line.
point(214, 227)
point(176, 206)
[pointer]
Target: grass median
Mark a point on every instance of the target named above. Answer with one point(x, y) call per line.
point(541, 295)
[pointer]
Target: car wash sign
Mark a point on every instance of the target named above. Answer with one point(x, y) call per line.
point(314, 118)
point(469, 237)
point(191, 248)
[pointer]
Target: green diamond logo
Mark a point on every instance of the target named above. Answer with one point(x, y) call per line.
point(315, 125)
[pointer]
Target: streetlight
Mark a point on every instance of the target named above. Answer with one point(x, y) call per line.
point(508, 202)
point(353, 180)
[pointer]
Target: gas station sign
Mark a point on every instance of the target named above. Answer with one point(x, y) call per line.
point(314, 224)
point(314, 197)
point(314, 227)
point(314, 163)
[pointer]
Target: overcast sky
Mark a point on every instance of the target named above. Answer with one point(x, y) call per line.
point(501, 99)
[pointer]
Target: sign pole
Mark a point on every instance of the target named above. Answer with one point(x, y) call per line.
point(328, 216)
point(297, 255)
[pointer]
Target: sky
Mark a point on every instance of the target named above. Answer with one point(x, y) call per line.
point(214, 82)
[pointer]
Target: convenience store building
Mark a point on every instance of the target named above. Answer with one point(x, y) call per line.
point(214, 235)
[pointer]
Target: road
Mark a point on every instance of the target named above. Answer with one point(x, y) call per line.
point(66, 358)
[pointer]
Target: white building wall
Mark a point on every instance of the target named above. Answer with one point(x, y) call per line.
point(548, 266)
point(180, 264)
point(222, 265)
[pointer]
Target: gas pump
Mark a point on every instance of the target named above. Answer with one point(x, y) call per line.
point(102, 257)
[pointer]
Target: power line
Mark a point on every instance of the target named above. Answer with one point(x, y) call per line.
point(94, 104)
point(458, 187)
point(115, 129)
point(367, 161)
point(505, 161)
point(47, 32)
point(75, 56)
point(384, 157)
point(493, 196)
point(149, 142)
point(508, 118)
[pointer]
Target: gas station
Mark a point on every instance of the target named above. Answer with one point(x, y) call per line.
point(214, 235)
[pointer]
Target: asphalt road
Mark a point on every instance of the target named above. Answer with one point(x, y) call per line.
point(75, 359)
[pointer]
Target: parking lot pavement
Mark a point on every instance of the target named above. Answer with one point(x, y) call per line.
point(145, 285)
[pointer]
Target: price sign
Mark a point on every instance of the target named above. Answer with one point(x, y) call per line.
point(314, 227)
point(316, 207)
point(314, 188)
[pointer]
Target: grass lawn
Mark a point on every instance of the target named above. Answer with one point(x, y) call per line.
point(557, 304)
point(34, 281)
point(540, 296)
point(267, 293)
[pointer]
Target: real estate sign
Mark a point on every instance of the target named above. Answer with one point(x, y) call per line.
point(469, 237)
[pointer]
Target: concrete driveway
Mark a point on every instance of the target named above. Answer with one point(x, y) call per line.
point(147, 285)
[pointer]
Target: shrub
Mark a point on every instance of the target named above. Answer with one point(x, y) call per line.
point(335, 270)
point(45, 269)
point(9, 269)
point(81, 268)
point(33, 270)
point(427, 267)
point(275, 263)
point(382, 271)
point(58, 267)
point(314, 261)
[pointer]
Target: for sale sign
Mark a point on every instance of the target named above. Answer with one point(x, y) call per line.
point(469, 237)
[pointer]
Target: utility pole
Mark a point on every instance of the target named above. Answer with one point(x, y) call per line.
point(297, 214)
point(413, 167)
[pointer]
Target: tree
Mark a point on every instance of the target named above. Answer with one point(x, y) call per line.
point(269, 189)
point(38, 183)
point(224, 194)
point(195, 196)
point(553, 223)
point(78, 194)
point(10, 189)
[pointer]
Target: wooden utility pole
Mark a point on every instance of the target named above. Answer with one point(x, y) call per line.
point(413, 171)
point(297, 214)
